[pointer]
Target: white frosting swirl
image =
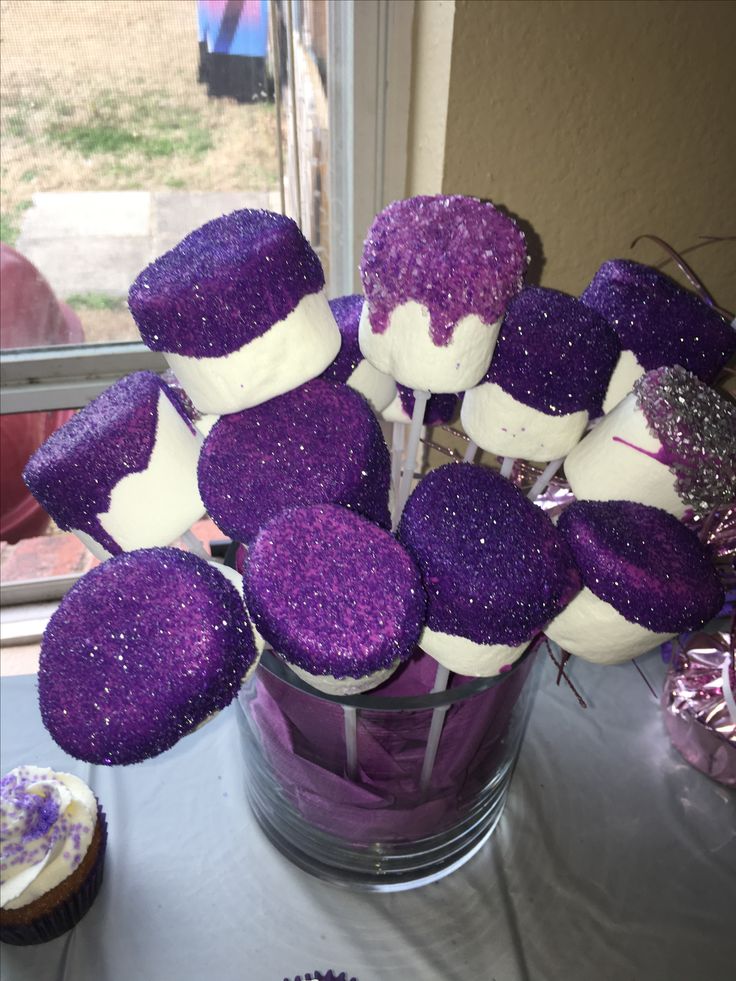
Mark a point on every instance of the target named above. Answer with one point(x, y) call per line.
point(47, 820)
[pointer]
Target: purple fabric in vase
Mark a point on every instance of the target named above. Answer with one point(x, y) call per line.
point(306, 749)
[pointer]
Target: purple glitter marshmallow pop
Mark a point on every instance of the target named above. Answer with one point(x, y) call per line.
point(658, 323)
point(317, 444)
point(646, 578)
point(122, 473)
point(143, 650)
point(238, 309)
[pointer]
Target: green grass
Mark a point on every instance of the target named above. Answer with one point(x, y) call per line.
point(96, 301)
point(29, 175)
point(10, 222)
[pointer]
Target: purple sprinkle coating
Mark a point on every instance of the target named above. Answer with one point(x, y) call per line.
point(139, 653)
point(454, 255)
point(644, 562)
point(74, 472)
point(225, 284)
point(346, 311)
point(554, 354)
point(494, 566)
point(317, 444)
point(440, 408)
point(333, 593)
point(662, 323)
point(697, 430)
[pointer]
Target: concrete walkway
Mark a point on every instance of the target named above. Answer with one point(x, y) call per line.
point(98, 241)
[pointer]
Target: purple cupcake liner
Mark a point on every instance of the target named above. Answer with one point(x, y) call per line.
point(69, 913)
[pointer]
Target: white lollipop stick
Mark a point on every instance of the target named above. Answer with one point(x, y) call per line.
point(507, 466)
point(351, 740)
point(194, 545)
point(470, 452)
point(540, 484)
point(435, 729)
point(417, 421)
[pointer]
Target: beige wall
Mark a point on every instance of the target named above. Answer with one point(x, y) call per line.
point(595, 122)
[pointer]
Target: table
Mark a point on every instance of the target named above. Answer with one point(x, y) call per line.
point(614, 860)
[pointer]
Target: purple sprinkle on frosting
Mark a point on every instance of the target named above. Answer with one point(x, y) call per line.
point(644, 562)
point(333, 593)
point(74, 472)
point(554, 354)
point(494, 566)
point(139, 653)
point(662, 323)
point(346, 311)
point(440, 408)
point(224, 285)
point(697, 430)
point(317, 444)
point(454, 255)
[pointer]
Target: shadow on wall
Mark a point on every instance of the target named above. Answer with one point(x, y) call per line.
point(534, 247)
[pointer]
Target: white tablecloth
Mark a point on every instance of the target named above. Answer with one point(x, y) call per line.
point(614, 860)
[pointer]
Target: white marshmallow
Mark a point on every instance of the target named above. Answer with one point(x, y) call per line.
point(158, 504)
point(499, 423)
point(378, 389)
point(613, 463)
point(291, 352)
point(406, 351)
point(344, 686)
point(624, 375)
point(592, 629)
point(205, 423)
point(464, 656)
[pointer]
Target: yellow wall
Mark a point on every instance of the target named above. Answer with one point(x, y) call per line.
point(596, 122)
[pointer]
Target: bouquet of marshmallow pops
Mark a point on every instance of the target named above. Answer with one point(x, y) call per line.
point(343, 572)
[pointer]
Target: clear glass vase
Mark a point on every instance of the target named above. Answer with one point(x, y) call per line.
point(370, 822)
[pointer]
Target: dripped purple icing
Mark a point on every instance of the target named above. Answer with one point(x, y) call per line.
point(440, 408)
point(74, 472)
point(644, 562)
point(225, 284)
point(494, 566)
point(141, 651)
point(333, 593)
point(662, 323)
point(697, 432)
point(317, 444)
point(346, 310)
point(553, 353)
point(454, 255)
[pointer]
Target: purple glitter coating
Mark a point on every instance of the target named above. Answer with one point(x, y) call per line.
point(224, 285)
point(346, 311)
point(494, 566)
point(317, 444)
point(644, 562)
point(662, 323)
point(333, 593)
point(697, 430)
point(440, 408)
point(74, 472)
point(454, 255)
point(139, 653)
point(554, 354)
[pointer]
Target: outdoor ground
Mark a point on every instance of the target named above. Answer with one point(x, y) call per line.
point(102, 95)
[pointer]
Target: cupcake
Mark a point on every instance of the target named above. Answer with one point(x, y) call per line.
point(53, 834)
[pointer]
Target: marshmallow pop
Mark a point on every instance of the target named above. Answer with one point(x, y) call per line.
point(335, 595)
point(122, 473)
point(439, 410)
point(350, 367)
point(670, 443)
point(318, 444)
point(141, 651)
point(239, 311)
point(549, 374)
point(658, 323)
point(495, 568)
point(437, 274)
point(646, 579)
